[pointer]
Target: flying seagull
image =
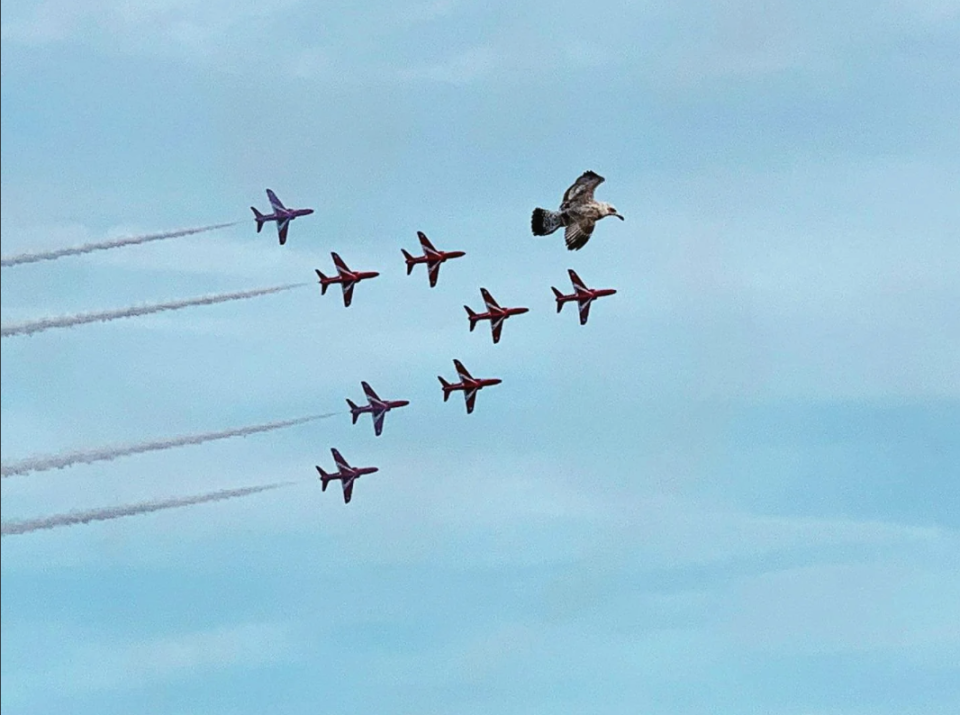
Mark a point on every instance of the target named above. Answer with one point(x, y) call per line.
point(579, 212)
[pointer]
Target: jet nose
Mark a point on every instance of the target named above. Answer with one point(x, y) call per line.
point(521, 311)
point(403, 403)
point(307, 212)
point(495, 381)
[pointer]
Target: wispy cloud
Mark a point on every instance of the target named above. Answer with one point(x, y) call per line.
point(128, 665)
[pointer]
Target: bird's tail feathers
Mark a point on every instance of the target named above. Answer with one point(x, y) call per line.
point(544, 222)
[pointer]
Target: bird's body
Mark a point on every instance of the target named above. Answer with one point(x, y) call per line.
point(579, 212)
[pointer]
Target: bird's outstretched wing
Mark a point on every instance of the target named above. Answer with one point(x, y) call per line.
point(577, 234)
point(582, 189)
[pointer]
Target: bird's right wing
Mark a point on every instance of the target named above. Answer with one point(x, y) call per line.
point(582, 189)
point(577, 234)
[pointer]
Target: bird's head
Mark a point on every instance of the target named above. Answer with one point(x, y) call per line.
point(609, 210)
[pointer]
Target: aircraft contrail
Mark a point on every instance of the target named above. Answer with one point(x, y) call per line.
point(67, 459)
point(72, 518)
point(54, 254)
point(66, 321)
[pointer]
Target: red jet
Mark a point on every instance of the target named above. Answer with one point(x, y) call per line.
point(346, 277)
point(495, 314)
point(431, 256)
point(347, 475)
point(375, 406)
point(583, 295)
point(469, 384)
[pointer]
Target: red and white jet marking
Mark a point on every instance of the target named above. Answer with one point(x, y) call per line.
point(468, 383)
point(345, 277)
point(583, 295)
point(495, 314)
point(431, 256)
point(347, 475)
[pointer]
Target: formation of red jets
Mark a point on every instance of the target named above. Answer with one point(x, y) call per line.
point(468, 384)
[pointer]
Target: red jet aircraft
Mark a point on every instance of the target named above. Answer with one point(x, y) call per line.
point(583, 295)
point(376, 407)
point(495, 314)
point(346, 277)
point(431, 256)
point(347, 475)
point(468, 383)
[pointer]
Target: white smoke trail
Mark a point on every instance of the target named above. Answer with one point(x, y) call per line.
point(66, 321)
point(54, 254)
point(72, 518)
point(67, 459)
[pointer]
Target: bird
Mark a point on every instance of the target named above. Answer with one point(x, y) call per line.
point(579, 212)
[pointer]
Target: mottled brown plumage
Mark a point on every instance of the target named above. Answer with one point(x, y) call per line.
point(579, 212)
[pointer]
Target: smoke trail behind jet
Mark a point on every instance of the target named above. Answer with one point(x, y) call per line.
point(67, 321)
point(72, 518)
point(67, 459)
point(54, 254)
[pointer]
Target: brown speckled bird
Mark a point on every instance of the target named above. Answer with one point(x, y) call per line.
point(579, 212)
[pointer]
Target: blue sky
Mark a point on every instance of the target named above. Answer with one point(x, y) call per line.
point(733, 491)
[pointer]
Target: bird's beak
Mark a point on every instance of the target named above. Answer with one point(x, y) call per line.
point(619, 216)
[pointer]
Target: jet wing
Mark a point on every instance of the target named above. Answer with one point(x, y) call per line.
point(575, 279)
point(275, 202)
point(434, 268)
point(282, 226)
point(378, 422)
point(471, 398)
point(497, 325)
point(488, 299)
point(462, 371)
point(339, 460)
point(341, 266)
point(348, 292)
point(425, 244)
point(584, 311)
point(369, 392)
point(347, 490)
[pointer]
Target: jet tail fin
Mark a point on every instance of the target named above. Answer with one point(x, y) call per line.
point(559, 296)
point(324, 281)
point(324, 479)
point(472, 316)
point(446, 388)
point(409, 259)
point(354, 410)
point(258, 217)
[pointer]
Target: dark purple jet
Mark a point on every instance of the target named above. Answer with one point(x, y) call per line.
point(346, 474)
point(376, 407)
point(281, 214)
